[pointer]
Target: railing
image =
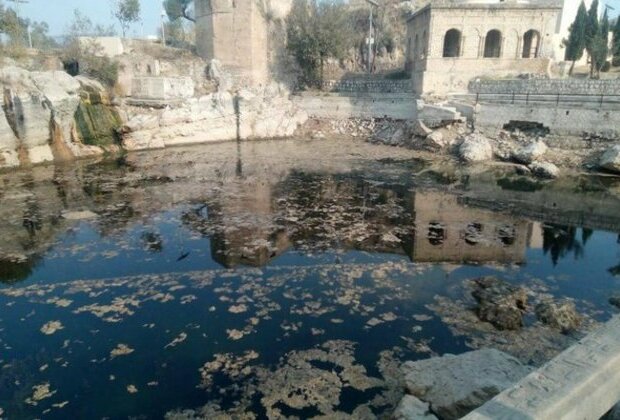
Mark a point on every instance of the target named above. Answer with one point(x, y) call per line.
point(547, 98)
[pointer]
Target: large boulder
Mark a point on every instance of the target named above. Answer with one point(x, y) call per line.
point(476, 148)
point(530, 153)
point(419, 129)
point(434, 141)
point(546, 170)
point(411, 408)
point(610, 160)
point(500, 303)
point(561, 315)
point(456, 385)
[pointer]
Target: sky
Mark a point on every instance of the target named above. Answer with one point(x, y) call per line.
point(59, 13)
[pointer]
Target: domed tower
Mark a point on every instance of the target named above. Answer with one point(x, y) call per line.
point(235, 32)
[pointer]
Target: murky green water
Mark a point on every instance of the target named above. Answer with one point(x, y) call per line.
point(273, 279)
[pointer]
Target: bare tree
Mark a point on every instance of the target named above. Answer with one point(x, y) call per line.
point(126, 12)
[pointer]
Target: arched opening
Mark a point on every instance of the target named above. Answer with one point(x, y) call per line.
point(452, 43)
point(424, 44)
point(436, 234)
point(531, 44)
point(416, 48)
point(493, 44)
point(473, 233)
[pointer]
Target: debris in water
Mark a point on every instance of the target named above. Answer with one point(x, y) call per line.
point(121, 350)
point(51, 327)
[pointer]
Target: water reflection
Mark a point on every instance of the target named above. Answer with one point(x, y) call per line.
point(270, 211)
point(334, 257)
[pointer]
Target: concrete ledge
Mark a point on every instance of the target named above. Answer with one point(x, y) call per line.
point(582, 383)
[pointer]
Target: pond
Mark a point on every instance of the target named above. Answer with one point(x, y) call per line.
point(275, 279)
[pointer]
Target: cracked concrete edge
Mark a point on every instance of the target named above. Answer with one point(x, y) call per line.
point(583, 382)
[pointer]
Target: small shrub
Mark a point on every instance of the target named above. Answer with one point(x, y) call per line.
point(90, 63)
point(606, 67)
point(616, 61)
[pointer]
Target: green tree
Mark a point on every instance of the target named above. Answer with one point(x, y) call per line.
point(317, 31)
point(177, 9)
point(126, 12)
point(81, 25)
point(39, 33)
point(86, 54)
point(576, 43)
point(592, 33)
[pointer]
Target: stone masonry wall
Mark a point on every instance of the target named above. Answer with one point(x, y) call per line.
point(547, 86)
point(368, 86)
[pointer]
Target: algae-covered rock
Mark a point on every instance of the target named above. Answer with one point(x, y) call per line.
point(97, 124)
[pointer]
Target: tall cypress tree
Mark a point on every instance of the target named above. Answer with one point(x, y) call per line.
point(600, 45)
point(592, 33)
point(616, 40)
point(576, 43)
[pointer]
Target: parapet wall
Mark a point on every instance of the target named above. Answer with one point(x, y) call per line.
point(547, 86)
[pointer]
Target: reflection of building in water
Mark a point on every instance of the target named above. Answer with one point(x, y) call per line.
point(246, 233)
point(447, 231)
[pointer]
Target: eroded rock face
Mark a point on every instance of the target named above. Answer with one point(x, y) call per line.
point(610, 160)
point(500, 303)
point(561, 315)
point(475, 148)
point(215, 117)
point(8, 143)
point(38, 116)
point(456, 385)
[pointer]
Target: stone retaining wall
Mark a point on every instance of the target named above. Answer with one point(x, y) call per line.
point(367, 86)
point(547, 86)
point(162, 88)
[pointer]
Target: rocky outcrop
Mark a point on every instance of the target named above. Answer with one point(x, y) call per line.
point(500, 303)
point(38, 117)
point(475, 148)
point(559, 315)
point(610, 160)
point(456, 385)
point(215, 117)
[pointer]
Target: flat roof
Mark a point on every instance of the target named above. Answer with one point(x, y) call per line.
point(481, 4)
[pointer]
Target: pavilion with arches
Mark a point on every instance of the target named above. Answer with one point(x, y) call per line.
point(451, 42)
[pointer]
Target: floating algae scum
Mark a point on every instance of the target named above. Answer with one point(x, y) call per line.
point(304, 282)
